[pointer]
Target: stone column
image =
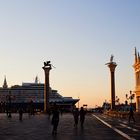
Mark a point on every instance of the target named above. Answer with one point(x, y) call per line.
point(47, 68)
point(112, 65)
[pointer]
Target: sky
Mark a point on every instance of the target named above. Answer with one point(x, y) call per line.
point(78, 37)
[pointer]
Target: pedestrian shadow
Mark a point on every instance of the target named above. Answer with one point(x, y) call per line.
point(75, 131)
point(78, 131)
point(82, 130)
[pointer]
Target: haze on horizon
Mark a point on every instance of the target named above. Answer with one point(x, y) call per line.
point(78, 37)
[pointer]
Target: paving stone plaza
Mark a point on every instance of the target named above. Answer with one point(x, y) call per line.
point(38, 127)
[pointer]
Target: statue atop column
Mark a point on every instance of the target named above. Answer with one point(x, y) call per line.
point(47, 64)
point(111, 58)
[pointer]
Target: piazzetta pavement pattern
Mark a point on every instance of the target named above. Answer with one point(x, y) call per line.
point(96, 127)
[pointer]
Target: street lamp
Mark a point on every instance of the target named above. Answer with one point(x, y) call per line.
point(8, 98)
point(117, 100)
point(130, 97)
point(78, 102)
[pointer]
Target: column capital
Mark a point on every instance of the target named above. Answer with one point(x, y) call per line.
point(112, 66)
point(46, 69)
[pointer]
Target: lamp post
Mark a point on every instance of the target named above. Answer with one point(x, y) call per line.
point(130, 97)
point(78, 102)
point(117, 100)
point(8, 98)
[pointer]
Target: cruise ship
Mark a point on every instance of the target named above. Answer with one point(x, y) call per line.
point(22, 95)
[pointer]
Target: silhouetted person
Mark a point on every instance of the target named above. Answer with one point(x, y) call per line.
point(76, 117)
point(82, 116)
point(131, 114)
point(31, 108)
point(20, 114)
point(55, 120)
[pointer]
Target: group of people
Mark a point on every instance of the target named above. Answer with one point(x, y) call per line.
point(76, 115)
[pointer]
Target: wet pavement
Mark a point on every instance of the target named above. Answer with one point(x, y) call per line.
point(38, 127)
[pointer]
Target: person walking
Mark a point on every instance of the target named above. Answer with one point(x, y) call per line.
point(82, 116)
point(55, 120)
point(131, 114)
point(20, 114)
point(76, 117)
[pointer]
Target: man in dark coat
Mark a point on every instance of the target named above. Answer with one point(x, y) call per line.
point(82, 116)
point(76, 117)
point(55, 120)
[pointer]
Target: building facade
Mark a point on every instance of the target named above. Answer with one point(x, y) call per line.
point(22, 95)
point(137, 79)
